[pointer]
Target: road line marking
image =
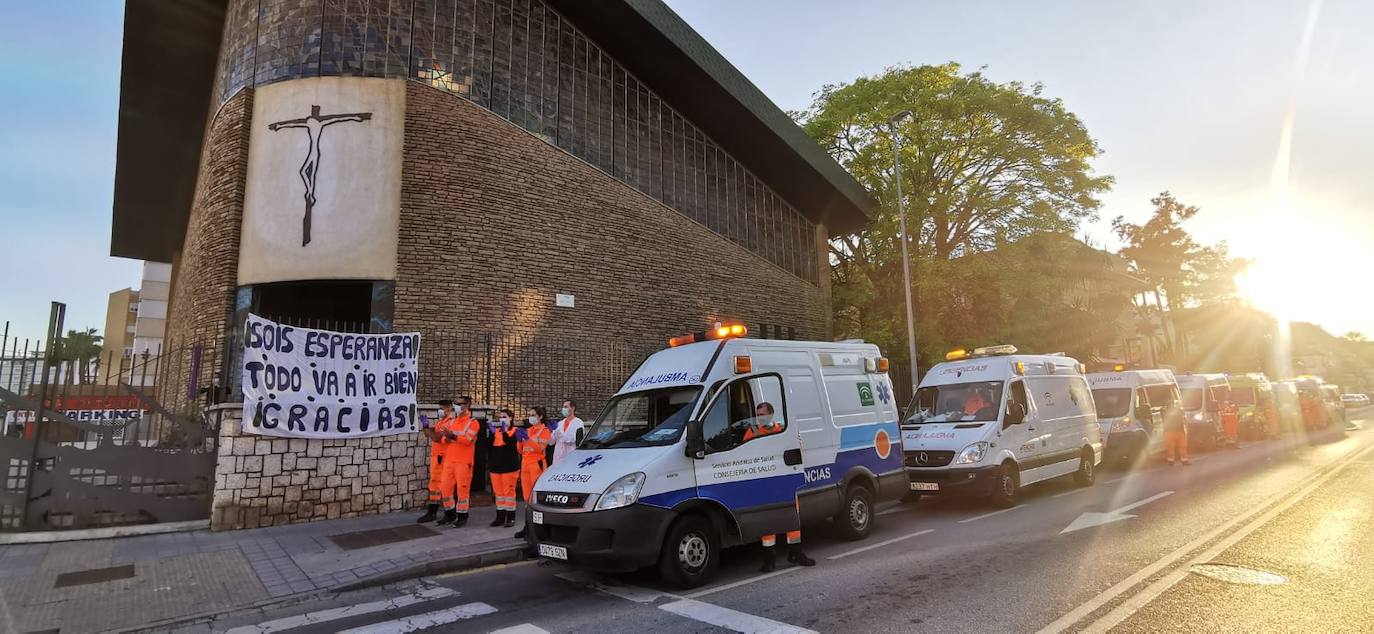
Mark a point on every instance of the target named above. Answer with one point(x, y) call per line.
point(987, 515)
point(609, 586)
point(895, 509)
point(426, 620)
point(741, 582)
point(880, 544)
point(1136, 505)
point(729, 619)
point(1070, 492)
point(523, 628)
point(334, 614)
point(1151, 592)
point(1115, 481)
point(1092, 605)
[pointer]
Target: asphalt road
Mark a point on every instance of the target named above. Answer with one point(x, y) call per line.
point(1154, 548)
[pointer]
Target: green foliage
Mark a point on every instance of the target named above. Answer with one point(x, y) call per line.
point(1164, 254)
point(81, 348)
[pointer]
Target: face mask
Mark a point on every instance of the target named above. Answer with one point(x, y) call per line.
point(565, 411)
point(505, 421)
point(533, 420)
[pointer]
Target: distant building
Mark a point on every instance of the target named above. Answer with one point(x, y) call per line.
point(151, 326)
point(121, 314)
point(135, 327)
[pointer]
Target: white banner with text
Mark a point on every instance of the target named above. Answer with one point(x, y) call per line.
point(308, 383)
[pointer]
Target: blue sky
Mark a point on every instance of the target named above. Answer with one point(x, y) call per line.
point(1186, 96)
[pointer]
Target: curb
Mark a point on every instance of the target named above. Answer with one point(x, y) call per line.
point(490, 556)
point(112, 532)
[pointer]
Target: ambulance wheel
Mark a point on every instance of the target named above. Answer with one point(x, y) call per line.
point(855, 520)
point(690, 553)
point(1006, 485)
point(1087, 472)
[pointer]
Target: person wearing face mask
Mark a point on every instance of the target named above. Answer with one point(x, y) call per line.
point(458, 458)
point(534, 438)
point(437, 447)
point(567, 435)
point(503, 462)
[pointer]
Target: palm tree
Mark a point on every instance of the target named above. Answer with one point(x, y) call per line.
point(80, 348)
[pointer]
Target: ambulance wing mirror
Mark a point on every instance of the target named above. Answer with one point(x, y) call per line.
point(696, 443)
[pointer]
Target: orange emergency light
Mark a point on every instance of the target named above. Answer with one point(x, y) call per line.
point(744, 364)
point(682, 340)
point(883, 364)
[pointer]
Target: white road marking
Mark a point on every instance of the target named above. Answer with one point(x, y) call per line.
point(1092, 605)
point(1151, 592)
point(334, 614)
point(729, 619)
point(523, 628)
point(880, 544)
point(987, 515)
point(741, 582)
point(1091, 519)
point(611, 587)
point(426, 620)
point(1070, 492)
point(895, 509)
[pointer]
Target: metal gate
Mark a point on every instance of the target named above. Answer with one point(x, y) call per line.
point(94, 439)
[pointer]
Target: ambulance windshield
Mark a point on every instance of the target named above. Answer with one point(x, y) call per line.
point(956, 403)
point(643, 419)
point(1112, 402)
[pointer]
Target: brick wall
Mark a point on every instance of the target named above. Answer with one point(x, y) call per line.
point(495, 221)
point(206, 270)
point(265, 481)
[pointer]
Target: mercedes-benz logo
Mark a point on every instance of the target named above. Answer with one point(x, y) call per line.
point(922, 458)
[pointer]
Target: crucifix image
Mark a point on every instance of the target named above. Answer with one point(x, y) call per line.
point(314, 126)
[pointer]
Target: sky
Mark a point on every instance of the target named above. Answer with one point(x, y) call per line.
point(1256, 111)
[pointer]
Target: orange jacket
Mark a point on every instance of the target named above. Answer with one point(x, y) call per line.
point(457, 450)
point(767, 428)
point(532, 450)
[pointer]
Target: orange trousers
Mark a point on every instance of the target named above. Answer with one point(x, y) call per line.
point(503, 488)
point(1176, 445)
point(436, 475)
point(793, 537)
point(530, 470)
point(457, 475)
point(1230, 427)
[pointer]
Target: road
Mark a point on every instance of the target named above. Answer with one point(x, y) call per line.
point(1158, 547)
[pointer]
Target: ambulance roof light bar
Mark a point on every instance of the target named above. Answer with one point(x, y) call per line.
point(994, 351)
point(722, 330)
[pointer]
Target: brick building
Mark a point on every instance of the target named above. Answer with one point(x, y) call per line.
point(455, 166)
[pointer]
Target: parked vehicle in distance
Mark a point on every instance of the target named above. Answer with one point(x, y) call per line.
point(1131, 406)
point(686, 459)
point(989, 422)
point(1353, 401)
point(1253, 396)
point(1289, 406)
point(1331, 397)
point(1203, 397)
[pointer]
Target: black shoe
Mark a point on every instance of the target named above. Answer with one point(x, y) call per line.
point(431, 513)
point(510, 519)
point(796, 556)
point(447, 518)
point(500, 518)
point(770, 559)
point(459, 521)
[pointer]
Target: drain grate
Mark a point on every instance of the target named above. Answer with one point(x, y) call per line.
point(94, 575)
point(1241, 575)
point(380, 536)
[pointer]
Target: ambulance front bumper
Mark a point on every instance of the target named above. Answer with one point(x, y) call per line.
point(615, 540)
point(976, 481)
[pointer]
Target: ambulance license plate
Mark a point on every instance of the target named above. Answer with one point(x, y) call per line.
point(556, 552)
point(538, 517)
point(925, 486)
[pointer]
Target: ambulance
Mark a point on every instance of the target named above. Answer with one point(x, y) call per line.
point(990, 422)
point(717, 441)
point(1203, 397)
point(1131, 406)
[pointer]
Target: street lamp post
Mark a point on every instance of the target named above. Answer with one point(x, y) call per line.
point(906, 259)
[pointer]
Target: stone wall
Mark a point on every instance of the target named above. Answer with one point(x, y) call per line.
point(265, 481)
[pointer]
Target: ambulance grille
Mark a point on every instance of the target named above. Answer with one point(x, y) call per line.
point(929, 458)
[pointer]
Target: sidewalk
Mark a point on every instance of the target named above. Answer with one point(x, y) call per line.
point(126, 582)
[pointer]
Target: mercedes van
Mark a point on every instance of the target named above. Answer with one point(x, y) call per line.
point(989, 422)
point(720, 440)
point(1203, 397)
point(1131, 406)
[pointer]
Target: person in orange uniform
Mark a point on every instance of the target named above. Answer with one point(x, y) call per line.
point(534, 440)
point(437, 443)
point(1175, 436)
point(1230, 424)
point(461, 433)
point(976, 402)
point(763, 417)
point(503, 463)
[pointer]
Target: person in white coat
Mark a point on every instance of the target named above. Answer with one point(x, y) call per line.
point(567, 434)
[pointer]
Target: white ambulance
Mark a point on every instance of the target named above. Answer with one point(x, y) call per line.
point(989, 422)
point(1131, 406)
point(717, 441)
point(1203, 396)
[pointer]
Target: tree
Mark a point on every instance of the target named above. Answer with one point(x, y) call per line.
point(80, 349)
point(1354, 336)
point(983, 164)
point(1161, 249)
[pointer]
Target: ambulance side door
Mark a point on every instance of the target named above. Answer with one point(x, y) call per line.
point(752, 462)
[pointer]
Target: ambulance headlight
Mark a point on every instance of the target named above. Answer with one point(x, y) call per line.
point(1122, 424)
point(622, 492)
point(972, 453)
point(1199, 417)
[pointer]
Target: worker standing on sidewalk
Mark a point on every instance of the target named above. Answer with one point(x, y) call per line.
point(763, 419)
point(458, 457)
point(534, 438)
point(1175, 436)
point(568, 434)
point(1230, 424)
point(503, 462)
point(437, 446)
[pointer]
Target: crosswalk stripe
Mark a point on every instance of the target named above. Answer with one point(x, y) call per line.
point(426, 620)
point(729, 619)
point(334, 614)
point(523, 628)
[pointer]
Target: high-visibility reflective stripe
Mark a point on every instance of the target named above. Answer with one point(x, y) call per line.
point(769, 541)
point(794, 537)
